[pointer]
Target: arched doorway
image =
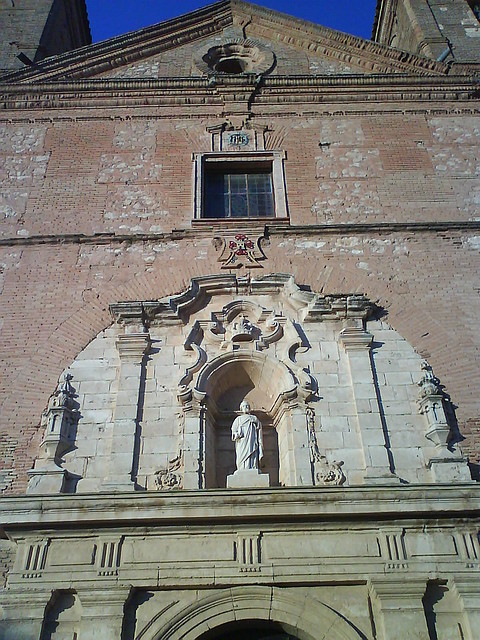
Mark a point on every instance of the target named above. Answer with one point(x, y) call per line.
point(251, 629)
point(258, 612)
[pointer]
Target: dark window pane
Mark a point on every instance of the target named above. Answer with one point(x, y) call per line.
point(239, 206)
point(238, 195)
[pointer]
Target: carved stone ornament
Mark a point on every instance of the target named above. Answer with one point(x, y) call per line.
point(240, 250)
point(324, 472)
point(171, 477)
point(429, 384)
point(59, 420)
point(235, 56)
point(447, 463)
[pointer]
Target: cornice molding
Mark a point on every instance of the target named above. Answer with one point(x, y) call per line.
point(313, 306)
point(301, 34)
point(439, 501)
point(167, 92)
point(131, 47)
point(206, 231)
point(33, 116)
point(267, 24)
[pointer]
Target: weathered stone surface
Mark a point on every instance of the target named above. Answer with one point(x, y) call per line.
point(370, 525)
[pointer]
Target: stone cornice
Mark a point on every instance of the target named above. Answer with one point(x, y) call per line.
point(199, 92)
point(203, 508)
point(131, 47)
point(207, 231)
point(267, 24)
point(371, 56)
point(434, 108)
point(315, 307)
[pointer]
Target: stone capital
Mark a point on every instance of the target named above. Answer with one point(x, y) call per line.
point(355, 339)
point(391, 591)
point(132, 347)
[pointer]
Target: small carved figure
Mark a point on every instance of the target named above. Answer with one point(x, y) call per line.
point(429, 384)
point(242, 325)
point(248, 438)
point(170, 478)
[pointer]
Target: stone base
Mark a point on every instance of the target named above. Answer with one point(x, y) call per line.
point(450, 470)
point(50, 479)
point(116, 484)
point(248, 478)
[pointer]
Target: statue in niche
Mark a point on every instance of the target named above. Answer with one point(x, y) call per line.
point(248, 438)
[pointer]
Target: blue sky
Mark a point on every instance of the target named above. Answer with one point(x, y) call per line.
point(113, 17)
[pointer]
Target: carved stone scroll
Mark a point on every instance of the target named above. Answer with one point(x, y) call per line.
point(324, 472)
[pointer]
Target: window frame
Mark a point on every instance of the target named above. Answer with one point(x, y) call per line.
point(251, 162)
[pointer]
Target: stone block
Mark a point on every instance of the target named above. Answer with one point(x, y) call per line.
point(87, 387)
point(341, 409)
point(397, 378)
point(97, 416)
point(248, 478)
point(335, 423)
point(329, 351)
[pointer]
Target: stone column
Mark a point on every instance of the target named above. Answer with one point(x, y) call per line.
point(132, 348)
point(102, 612)
point(22, 613)
point(357, 344)
point(399, 608)
point(301, 474)
point(193, 438)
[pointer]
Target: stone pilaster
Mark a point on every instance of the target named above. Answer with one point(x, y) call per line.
point(132, 348)
point(22, 613)
point(398, 607)
point(467, 587)
point(102, 612)
point(194, 443)
point(357, 344)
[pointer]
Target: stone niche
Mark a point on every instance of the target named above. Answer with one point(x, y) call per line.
point(342, 397)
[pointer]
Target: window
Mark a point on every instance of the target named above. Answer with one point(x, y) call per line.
point(231, 192)
point(245, 185)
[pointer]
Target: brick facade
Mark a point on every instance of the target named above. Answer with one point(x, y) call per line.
point(97, 184)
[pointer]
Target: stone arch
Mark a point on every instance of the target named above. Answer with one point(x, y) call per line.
point(66, 333)
point(269, 386)
point(214, 378)
point(299, 615)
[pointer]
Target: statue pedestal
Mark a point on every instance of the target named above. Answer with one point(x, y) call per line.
point(244, 478)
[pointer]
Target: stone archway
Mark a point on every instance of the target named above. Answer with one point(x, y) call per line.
point(253, 629)
point(299, 616)
point(269, 386)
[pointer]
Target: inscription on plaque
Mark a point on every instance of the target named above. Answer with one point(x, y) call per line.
point(238, 139)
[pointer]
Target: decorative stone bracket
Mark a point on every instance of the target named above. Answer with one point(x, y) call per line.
point(324, 472)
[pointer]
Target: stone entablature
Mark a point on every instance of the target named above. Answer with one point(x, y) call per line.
point(380, 540)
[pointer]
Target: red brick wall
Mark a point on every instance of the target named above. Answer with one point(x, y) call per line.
point(129, 177)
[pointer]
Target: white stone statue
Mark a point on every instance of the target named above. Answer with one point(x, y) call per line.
point(248, 438)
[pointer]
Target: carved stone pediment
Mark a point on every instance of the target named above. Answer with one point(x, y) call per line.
point(255, 24)
point(310, 306)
